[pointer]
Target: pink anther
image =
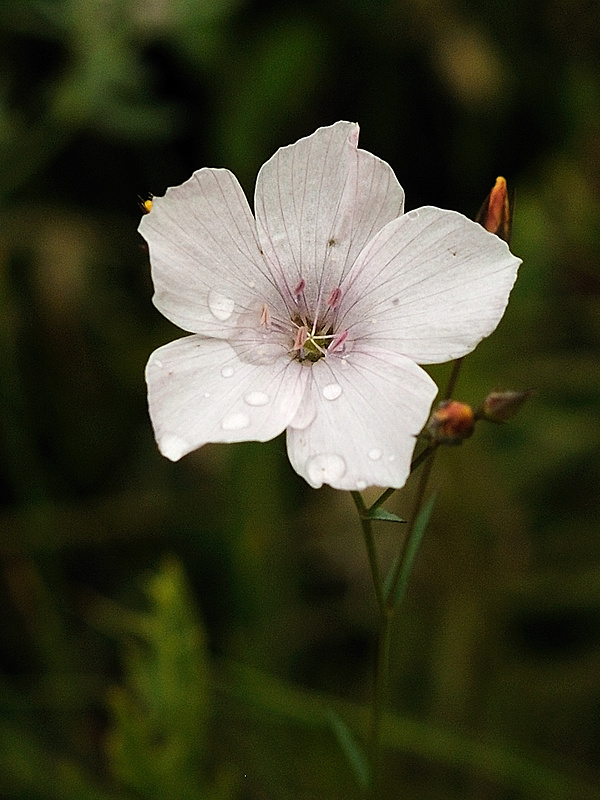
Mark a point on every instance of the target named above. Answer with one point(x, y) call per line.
point(265, 317)
point(338, 341)
point(300, 338)
point(300, 288)
point(334, 298)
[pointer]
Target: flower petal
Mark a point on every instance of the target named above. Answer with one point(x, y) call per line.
point(200, 391)
point(206, 261)
point(370, 407)
point(318, 202)
point(430, 285)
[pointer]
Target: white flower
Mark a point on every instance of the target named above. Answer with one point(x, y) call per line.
point(313, 316)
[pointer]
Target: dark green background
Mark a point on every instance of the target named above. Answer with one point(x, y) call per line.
point(109, 687)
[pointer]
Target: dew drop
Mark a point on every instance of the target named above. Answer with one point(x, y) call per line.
point(392, 457)
point(235, 421)
point(251, 284)
point(158, 363)
point(221, 306)
point(206, 394)
point(227, 372)
point(332, 391)
point(325, 468)
point(257, 398)
point(375, 454)
point(360, 485)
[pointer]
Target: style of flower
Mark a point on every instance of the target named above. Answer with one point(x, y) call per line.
point(313, 315)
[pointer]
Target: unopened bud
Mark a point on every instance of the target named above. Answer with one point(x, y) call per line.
point(500, 406)
point(451, 422)
point(497, 211)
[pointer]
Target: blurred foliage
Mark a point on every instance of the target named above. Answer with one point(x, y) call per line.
point(123, 678)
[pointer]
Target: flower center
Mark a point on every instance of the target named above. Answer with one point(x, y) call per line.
point(313, 331)
point(310, 344)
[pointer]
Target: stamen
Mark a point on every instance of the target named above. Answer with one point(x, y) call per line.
point(300, 338)
point(299, 289)
point(338, 341)
point(265, 317)
point(334, 298)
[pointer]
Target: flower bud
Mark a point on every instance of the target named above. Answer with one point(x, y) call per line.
point(497, 210)
point(500, 406)
point(451, 423)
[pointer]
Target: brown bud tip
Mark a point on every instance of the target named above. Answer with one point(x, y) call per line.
point(496, 212)
point(451, 422)
point(500, 406)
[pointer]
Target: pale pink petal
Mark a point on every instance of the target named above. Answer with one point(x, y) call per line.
point(369, 408)
point(206, 261)
point(200, 391)
point(430, 285)
point(318, 202)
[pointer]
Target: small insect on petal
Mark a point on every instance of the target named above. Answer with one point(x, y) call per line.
point(146, 205)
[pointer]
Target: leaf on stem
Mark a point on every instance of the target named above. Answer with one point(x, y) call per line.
point(382, 514)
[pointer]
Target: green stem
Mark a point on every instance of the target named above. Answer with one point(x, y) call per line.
point(386, 605)
point(367, 529)
point(456, 365)
point(406, 549)
point(380, 692)
point(383, 648)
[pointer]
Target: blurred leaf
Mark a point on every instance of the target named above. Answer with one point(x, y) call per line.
point(351, 749)
point(159, 718)
point(30, 768)
point(426, 740)
point(274, 81)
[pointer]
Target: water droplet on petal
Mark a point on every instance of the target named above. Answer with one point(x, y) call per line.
point(158, 363)
point(251, 284)
point(325, 468)
point(227, 372)
point(392, 457)
point(375, 454)
point(236, 421)
point(257, 398)
point(360, 485)
point(332, 391)
point(206, 394)
point(221, 306)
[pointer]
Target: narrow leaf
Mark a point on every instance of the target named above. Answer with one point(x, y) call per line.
point(405, 560)
point(386, 516)
point(351, 749)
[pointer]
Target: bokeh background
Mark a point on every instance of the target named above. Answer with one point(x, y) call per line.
point(199, 629)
